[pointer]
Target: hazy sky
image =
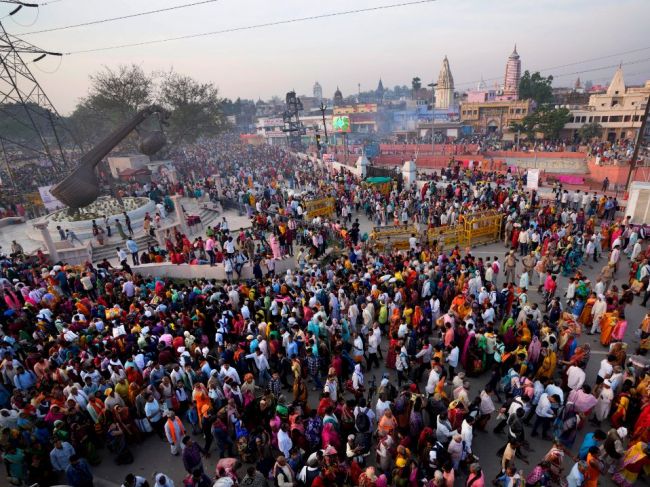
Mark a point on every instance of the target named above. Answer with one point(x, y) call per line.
point(396, 44)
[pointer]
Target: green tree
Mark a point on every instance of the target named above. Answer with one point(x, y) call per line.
point(547, 121)
point(527, 125)
point(552, 121)
point(115, 95)
point(536, 87)
point(416, 84)
point(195, 108)
point(121, 92)
point(590, 131)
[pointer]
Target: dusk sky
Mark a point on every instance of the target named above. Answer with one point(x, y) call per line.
point(395, 44)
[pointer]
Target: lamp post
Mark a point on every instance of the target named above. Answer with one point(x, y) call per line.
point(639, 140)
point(323, 107)
point(433, 116)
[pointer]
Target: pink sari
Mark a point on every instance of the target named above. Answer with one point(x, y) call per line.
point(619, 330)
point(465, 353)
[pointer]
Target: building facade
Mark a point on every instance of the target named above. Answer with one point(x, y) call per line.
point(493, 117)
point(619, 110)
point(445, 88)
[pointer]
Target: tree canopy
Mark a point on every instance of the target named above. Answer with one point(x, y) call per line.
point(590, 131)
point(195, 108)
point(547, 121)
point(536, 87)
point(116, 94)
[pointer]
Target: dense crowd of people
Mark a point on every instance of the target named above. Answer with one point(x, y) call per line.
point(356, 366)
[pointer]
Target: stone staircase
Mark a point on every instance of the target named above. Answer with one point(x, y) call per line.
point(107, 251)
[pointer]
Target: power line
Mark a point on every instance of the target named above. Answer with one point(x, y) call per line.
point(496, 78)
point(255, 26)
point(122, 17)
point(638, 61)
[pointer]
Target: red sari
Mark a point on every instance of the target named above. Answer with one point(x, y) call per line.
point(391, 356)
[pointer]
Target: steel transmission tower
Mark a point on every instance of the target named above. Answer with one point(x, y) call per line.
point(292, 124)
point(38, 132)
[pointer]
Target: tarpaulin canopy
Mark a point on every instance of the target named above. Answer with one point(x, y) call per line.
point(378, 180)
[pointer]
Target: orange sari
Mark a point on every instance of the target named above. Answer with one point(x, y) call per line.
point(607, 325)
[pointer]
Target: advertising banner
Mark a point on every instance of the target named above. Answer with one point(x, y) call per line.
point(532, 179)
point(49, 201)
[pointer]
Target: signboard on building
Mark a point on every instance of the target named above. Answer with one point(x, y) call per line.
point(49, 201)
point(532, 179)
point(341, 124)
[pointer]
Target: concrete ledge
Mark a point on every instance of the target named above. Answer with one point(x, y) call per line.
point(187, 271)
point(11, 220)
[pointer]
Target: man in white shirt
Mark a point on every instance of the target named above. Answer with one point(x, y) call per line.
point(544, 414)
point(452, 359)
point(262, 365)
point(575, 377)
point(228, 371)
point(432, 381)
point(606, 369)
point(373, 345)
point(121, 255)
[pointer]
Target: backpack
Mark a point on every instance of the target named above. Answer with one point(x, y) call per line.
point(362, 422)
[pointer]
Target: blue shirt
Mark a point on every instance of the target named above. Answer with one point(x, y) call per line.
point(587, 443)
point(25, 381)
point(292, 349)
point(132, 246)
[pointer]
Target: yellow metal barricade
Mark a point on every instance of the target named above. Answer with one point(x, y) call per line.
point(472, 229)
point(397, 235)
point(446, 237)
point(482, 228)
point(320, 207)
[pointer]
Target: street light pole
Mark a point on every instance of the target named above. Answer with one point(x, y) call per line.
point(637, 146)
point(323, 107)
point(433, 116)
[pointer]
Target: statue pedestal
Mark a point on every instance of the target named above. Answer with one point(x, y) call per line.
point(409, 173)
point(180, 214)
point(47, 238)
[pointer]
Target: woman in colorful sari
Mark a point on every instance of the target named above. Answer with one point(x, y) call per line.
point(464, 356)
point(549, 362)
point(622, 401)
point(393, 346)
point(330, 436)
point(636, 458)
point(395, 320)
point(607, 324)
point(642, 425)
point(585, 316)
point(618, 333)
point(581, 356)
point(202, 398)
point(566, 425)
